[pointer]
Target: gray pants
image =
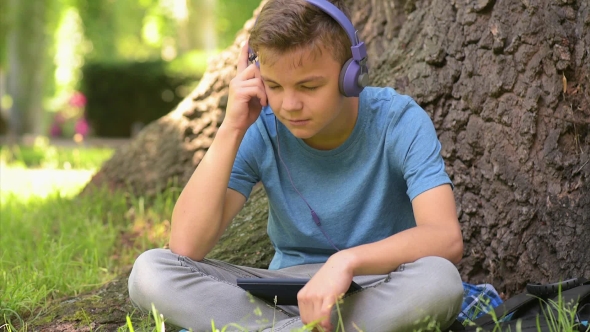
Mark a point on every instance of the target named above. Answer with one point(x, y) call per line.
point(191, 294)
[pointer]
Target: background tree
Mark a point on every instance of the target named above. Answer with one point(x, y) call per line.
point(44, 45)
point(3, 35)
point(507, 86)
point(26, 58)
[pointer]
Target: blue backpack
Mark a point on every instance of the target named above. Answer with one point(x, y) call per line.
point(541, 308)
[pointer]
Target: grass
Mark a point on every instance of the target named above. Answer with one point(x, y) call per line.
point(59, 246)
point(55, 244)
point(566, 315)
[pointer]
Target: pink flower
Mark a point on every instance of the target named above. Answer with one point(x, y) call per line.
point(82, 127)
point(56, 130)
point(78, 99)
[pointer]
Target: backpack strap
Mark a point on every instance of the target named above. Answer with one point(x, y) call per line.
point(517, 302)
point(526, 300)
point(549, 290)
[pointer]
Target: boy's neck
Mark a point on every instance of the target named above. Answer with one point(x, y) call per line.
point(339, 130)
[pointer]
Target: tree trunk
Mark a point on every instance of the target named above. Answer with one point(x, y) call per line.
point(26, 59)
point(507, 85)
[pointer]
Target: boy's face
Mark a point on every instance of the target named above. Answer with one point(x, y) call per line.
point(302, 90)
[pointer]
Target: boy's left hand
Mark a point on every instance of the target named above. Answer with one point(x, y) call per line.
point(320, 294)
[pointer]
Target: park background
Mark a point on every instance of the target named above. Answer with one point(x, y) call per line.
point(127, 62)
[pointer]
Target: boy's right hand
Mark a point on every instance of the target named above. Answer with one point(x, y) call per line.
point(246, 95)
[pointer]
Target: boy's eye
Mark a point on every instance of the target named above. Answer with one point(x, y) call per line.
point(310, 88)
point(273, 87)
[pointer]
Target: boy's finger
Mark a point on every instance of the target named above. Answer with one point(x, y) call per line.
point(259, 77)
point(243, 58)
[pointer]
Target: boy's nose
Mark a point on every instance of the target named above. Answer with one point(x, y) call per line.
point(291, 103)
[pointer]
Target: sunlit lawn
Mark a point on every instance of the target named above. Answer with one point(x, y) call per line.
point(54, 243)
point(23, 183)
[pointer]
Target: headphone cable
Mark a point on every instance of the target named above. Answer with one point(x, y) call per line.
point(314, 215)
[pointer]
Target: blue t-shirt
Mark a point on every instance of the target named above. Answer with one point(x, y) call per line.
point(361, 190)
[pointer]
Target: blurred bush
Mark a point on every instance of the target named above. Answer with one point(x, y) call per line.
point(125, 96)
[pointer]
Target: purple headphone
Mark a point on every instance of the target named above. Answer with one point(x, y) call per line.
point(354, 75)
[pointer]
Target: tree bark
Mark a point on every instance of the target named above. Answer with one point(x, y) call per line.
point(507, 85)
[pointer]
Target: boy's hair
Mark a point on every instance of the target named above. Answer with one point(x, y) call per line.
point(288, 25)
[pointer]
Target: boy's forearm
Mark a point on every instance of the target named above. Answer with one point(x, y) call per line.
point(384, 256)
point(197, 216)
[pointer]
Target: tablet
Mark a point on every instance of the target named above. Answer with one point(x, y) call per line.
point(285, 289)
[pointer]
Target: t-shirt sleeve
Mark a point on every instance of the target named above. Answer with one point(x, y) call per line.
point(244, 174)
point(417, 150)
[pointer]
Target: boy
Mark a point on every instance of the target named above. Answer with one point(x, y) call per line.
point(356, 186)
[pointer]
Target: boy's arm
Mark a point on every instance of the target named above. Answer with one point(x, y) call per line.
point(206, 206)
point(437, 234)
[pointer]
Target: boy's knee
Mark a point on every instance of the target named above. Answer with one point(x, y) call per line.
point(443, 274)
point(445, 287)
point(443, 266)
point(144, 280)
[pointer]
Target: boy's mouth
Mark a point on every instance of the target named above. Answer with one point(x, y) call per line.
point(298, 122)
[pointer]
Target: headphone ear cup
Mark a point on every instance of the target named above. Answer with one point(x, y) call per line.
point(342, 77)
point(348, 81)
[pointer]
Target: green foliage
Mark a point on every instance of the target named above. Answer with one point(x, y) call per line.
point(193, 63)
point(116, 28)
point(139, 29)
point(231, 16)
point(99, 27)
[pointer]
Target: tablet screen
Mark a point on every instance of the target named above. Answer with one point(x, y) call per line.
point(285, 289)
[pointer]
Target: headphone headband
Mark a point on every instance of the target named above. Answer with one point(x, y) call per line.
point(359, 51)
point(329, 8)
